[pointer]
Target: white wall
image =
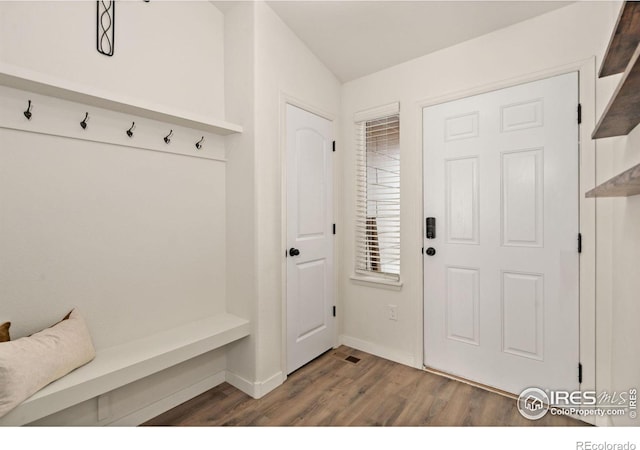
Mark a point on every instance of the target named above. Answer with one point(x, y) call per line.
point(242, 235)
point(134, 238)
point(168, 53)
point(568, 35)
point(283, 68)
point(625, 333)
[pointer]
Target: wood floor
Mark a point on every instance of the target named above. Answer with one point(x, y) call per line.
point(331, 391)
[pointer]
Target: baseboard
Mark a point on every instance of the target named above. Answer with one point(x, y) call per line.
point(378, 350)
point(165, 404)
point(268, 385)
point(238, 382)
point(254, 389)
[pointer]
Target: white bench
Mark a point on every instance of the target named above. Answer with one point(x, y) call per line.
point(117, 366)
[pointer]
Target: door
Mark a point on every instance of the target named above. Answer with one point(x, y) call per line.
point(501, 291)
point(310, 289)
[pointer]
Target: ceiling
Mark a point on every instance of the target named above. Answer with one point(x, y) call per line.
point(356, 38)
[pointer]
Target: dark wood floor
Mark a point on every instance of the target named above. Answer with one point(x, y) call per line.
point(374, 391)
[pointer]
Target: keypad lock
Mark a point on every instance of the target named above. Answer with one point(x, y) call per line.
point(431, 227)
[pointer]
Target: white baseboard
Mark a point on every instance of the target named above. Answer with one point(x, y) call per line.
point(165, 404)
point(238, 382)
point(378, 350)
point(256, 389)
point(268, 385)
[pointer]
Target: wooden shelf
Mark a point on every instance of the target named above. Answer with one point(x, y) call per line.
point(622, 114)
point(120, 365)
point(624, 40)
point(624, 185)
point(28, 80)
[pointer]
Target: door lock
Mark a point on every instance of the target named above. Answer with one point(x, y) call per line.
point(431, 227)
point(431, 251)
point(294, 251)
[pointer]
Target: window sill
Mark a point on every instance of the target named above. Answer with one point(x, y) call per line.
point(376, 282)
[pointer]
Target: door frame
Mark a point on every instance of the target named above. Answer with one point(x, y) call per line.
point(587, 175)
point(288, 99)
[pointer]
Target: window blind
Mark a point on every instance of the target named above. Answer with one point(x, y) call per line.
point(378, 197)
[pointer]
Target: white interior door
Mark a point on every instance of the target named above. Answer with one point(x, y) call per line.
point(310, 289)
point(501, 292)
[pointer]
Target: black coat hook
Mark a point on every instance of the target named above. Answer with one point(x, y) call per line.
point(167, 138)
point(199, 143)
point(83, 124)
point(27, 113)
point(130, 130)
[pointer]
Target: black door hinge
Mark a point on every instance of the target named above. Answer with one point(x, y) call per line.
point(334, 311)
point(334, 228)
point(579, 242)
point(423, 250)
point(579, 113)
point(334, 146)
point(579, 372)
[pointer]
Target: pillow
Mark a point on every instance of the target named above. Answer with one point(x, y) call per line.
point(30, 363)
point(4, 332)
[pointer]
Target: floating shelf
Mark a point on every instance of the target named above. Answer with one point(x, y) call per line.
point(624, 40)
point(28, 80)
point(624, 185)
point(117, 366)
point(622, 114)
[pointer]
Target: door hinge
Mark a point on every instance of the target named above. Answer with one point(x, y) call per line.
point(334, 311)
point(579, 113)
point(423, 250)
point(579, 242)
point(334, 228)
point(334, 146)
point(579, 372)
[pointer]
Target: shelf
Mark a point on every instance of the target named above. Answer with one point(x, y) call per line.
point(624, 40)
point(123, 364)
point(624, 185)
point(28, 80)
point(622, 114)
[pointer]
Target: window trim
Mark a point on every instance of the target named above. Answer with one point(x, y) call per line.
point(359, 276)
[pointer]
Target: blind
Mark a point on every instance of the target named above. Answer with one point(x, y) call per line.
point(378, 197)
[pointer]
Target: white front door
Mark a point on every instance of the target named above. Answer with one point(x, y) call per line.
point(310, 290)
point(501, 291)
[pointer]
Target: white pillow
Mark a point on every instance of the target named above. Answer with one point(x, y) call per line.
point(30, 363)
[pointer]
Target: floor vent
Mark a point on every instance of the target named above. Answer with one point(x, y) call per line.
point(352, 359)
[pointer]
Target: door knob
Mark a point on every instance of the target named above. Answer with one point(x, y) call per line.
point(431, 251)
point(294, 251)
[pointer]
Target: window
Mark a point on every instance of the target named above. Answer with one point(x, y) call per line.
point(378, 193)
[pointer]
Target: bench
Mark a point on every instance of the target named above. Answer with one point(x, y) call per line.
point(117, 366)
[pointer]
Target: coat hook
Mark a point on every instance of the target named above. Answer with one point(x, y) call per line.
point(130, 130)
point(27, 113)
point(167, 138)
point(199, 143)
point(83, 124)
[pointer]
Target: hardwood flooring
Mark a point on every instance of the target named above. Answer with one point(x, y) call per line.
point(330, 391)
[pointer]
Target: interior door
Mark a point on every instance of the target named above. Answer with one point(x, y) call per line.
point(501, 291)
point(310, 287)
